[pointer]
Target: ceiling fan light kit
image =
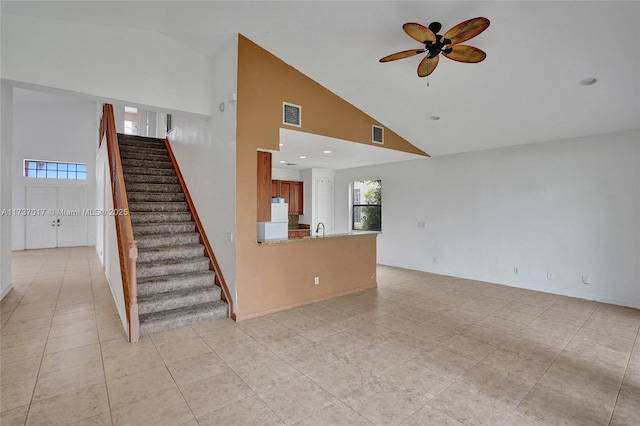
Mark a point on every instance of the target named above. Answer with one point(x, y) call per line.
point(447, 44)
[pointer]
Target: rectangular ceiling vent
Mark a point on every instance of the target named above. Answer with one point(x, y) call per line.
point(291, 114)
point(377, 134)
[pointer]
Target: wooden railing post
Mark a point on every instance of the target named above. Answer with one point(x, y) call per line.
point(134, 322)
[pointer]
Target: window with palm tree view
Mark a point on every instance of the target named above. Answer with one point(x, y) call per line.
point(366, 199)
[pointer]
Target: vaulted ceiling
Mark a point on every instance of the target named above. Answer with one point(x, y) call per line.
point(527, 90)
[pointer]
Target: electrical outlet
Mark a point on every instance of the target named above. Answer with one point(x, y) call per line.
point(316, 280)
point(421, 225)
point(586, 279)
point(516, 270)
point(435, 260)
point(551, 275)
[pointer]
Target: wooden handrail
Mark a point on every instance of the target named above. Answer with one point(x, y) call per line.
point(127, 247)
point(213, 263)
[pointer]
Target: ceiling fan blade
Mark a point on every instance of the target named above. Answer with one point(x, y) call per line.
point(419, 32)
point(466, 30)
point(463, 53)
point(402, 55)
point(427, 65)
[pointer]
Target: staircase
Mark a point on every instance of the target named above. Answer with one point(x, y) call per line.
point(176, 287)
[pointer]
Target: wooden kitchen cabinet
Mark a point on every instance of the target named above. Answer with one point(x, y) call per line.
point(299, 233)
point(264, 180)
point(292, 192)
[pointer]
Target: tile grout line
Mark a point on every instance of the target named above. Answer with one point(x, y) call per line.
point(104, 371)
point(635, 342)
point(556, 358)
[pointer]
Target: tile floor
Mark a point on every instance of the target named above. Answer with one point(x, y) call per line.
point(420, 349)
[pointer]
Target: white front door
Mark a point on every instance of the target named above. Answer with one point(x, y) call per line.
point(41, 226)
point(73, 226)
point(58, 218)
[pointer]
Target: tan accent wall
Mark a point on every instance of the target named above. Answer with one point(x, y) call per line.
point(277, 276)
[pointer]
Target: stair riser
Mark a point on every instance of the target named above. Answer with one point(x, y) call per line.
point(149, 171)
point(141, 144)
point(145, 307)
point(157, 197)
point(150, 187)
point(144, 156)
point(128, 178)
point(148, 241)
point(160, 217)
point(126, 163)
point(132, 148)
point(173, 254)
point(155, 270)
point(165, 228)
point(203, 279)
point(158, 207)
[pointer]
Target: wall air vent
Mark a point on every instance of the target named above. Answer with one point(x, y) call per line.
point(377, 134)
point(291, 114)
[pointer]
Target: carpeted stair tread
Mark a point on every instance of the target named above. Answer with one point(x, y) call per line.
point(158, 197)
point(173, 252)
point(152, 187)
point(177, 206)
point(163, 228)
point(163, 284)
point(168, 267)
point(159, 240)
point(128, 162)
point(149, 171)
point(168, 320)
point(136, 138)
point(159, 217)
point(128, 147)
point(175, 299)
point(158, 179)
point(146, 156)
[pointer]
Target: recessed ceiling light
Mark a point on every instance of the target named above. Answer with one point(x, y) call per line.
point(303, 156)
point(434, 118)
point(282, 162)
point(589, 81)
point(327, 152)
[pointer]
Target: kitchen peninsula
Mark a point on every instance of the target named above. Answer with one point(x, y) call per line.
point(315, 238)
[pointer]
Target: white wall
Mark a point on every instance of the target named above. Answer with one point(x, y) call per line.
point(107, 238)
point(6, 134)
point(206, 154)
point(105, 62)
point(60, 131)
point(285, 174)
point(571, 207)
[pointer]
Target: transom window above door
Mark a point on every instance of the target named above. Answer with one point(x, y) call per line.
point(55, 170)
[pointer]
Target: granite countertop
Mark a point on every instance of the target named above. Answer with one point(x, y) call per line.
point(314, 237)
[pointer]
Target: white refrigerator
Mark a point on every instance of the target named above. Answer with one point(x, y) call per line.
point(278, 228)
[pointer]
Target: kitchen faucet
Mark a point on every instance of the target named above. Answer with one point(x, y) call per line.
point(318, 228)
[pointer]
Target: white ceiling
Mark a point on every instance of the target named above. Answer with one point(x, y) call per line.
point(294, 145)
point(525, 91)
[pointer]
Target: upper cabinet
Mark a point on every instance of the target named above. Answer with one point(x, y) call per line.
point(292, 192)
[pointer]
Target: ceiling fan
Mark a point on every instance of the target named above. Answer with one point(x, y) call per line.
point(447, 44)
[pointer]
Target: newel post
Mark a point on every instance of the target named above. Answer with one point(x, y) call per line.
point(134, 320)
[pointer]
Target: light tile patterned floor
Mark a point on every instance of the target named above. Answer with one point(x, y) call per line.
point(420, 349)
